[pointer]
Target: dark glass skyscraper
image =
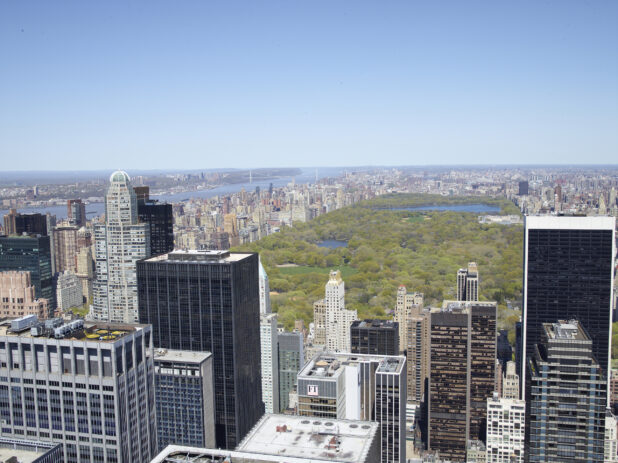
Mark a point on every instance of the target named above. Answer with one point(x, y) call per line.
point(376, 337)
point(208, 301)
point(161, 221)
point(31, 254)
point(17, 224)
point(568, 274)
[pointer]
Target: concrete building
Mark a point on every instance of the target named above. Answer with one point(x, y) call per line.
point(65, 248)
point(337, 319)
point(264, 290)
point(18, 224)
point(270, 362)
point(119, 243)
point(291, 439)
point(476, 452)
point(375, 337)
point(68, 291)
point(417, 354)
point(510, 385)
point(30, 451)
point(319, 322)
point(357, 386)
point(76, 212)
point(17, 296)
point(87, 386)
point(468, 283)
point(462, 374)
point(611, 439)
point(567, 399)
point(291, 361)
point(505, 430)
point(184, 398)
point(407, 306)
point(85, 271)
point(208, 301)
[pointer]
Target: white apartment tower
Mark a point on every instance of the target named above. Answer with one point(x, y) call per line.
point(119, 244)
point(407, 306)
point(338, 319)
point(505, 430)
point(68, 291)
point(264, 290)
point(270, 362)
point(611, 436)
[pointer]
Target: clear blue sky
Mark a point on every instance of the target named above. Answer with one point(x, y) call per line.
point(205, 83)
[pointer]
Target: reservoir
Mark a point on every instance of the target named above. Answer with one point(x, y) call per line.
point(332, 244)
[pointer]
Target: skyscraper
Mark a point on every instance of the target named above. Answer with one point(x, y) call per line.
point(468, 283)
point(270, 362)
point(76, 212)
point(462, 374)
point(568, 273)
point(160, 220)
point(337, 320)
point(31, 254)
point(566, 420)
point(417, 354)
point(377, 337)
point(208, 301)
point(264, 290)
point(18, 224)
point(65, 248)
point(119, 244)
point(407, 305)
point(291, 360)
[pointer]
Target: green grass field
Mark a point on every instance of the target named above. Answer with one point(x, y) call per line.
point(346, 270)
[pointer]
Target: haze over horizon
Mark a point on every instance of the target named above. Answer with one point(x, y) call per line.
point(159, 85)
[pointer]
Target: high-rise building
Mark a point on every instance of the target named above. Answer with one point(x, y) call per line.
point(76, 212)
point(568, 273)
point(31, 224)
point(611, 439)
point(68, 291)
point(505, 430)
point(119, 243)
point(291, 360)
point(184, 398)
point(17, 296)
point(291, 439)
point(523, 188)
point(462, 374)
point(407, 305)
point(264, 291)
point(358, 386)
point(160, 220)
point(85, 271)
point(510, 385)
point(30, 254)
point(65, 248)
point(319, 323)
point(417, 354)
point(337, 320)
point(468, 283)
point(377, 337)
point(568, 391)
point(270, 362)
point(208, 301)
point(89, 387)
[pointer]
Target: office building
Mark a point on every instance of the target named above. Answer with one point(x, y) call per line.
point(270, 362)
point(462, 374)
point(510, 384)
point(291, 360)
point(119, 243)
point(159, 218)
point(358, 386)
point(417, 355)
point(291, 439)
point(505, 430)
point(376, 337)
point(30, 451)
point(568, 391)
point(468, 283)
point(76, 212)
point(407, 305)
point(30, 254)
point(184, 398)
point(87, 386)
point(31, 224)
point(65, 248)
point(68, 291)
point(208, 301)
point(568, 274)
point(17, 296)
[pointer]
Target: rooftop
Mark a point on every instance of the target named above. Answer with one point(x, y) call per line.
point(25, 451)
point(185, 356)
point(449, 306)
point(199, 256)
point(312, 438)
point(380, 324)
point(330, 364)
point(565, 330)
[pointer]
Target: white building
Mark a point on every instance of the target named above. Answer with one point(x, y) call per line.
point(119, 244)
point(264, 290)
point(505, 430)
point(338, 319)
point(611, 436)
point(68, 291)
point(510, 385)
point(270, 362)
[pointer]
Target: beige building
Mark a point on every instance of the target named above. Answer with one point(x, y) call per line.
point(17, 296)
point(65, 248)
point(510, 385)
point(408, 305)
point(85, 270)
point(417, 355)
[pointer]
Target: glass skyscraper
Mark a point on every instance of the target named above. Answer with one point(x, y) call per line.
point(208, 301)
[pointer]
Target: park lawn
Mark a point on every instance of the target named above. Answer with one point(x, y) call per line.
point(346, 270)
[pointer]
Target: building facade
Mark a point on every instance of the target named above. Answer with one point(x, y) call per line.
point(291, 360)
point(88, 387)
point(65, 248)
point(208, 301)
point(468, 283)
point(270, 362)
point(407, 306)
point(31, 224)
point(338, 319)
point(160, 221)
point(376, 337)
point(76, 212)
point(417, 355)
point(505, 430)
point(184, 398)
point(17, 296)
point(119, 244)
point(68, 291)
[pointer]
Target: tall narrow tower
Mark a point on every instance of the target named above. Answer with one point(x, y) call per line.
point(119, 244)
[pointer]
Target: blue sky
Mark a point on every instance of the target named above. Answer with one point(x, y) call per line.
point(206, 83)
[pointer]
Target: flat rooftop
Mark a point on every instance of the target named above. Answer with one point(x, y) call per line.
point(29, 452)
point(23, 456)
point(199, 256)
point(463, 305)
point(331, 364)
point(378, 324)
point(88, 331)
point(184, 356)
point(566, 330)
point(311, 438)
